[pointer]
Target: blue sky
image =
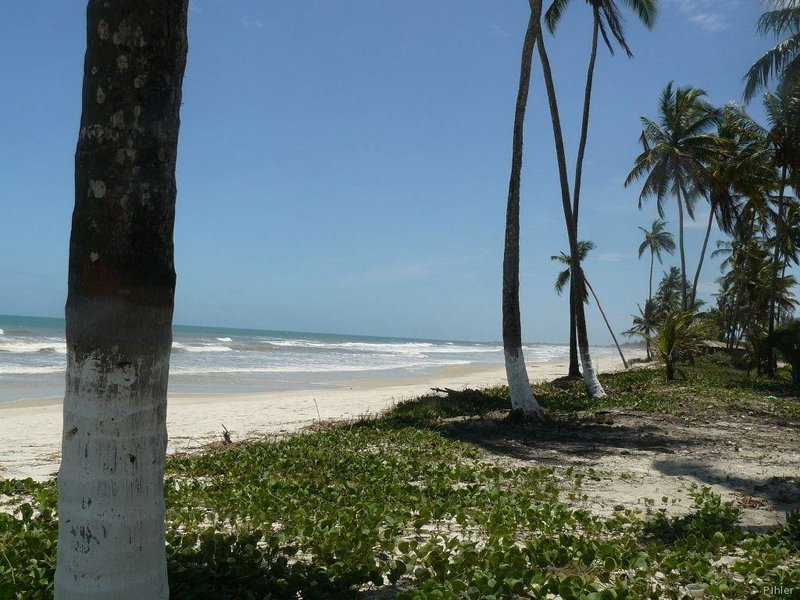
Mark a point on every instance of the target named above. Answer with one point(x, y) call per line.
point(343, 166)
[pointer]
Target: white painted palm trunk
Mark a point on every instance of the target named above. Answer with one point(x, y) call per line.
point(111, 542)
point(593, 385)
point(522, 398)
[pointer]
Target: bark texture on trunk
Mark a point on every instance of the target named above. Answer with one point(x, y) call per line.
point(522, 398)
point(574, 370)
point(120, 302)
point(574, 365)
point(702, 256)
point(684, 297)
point(593, 386)
point(605, 320)
point(773, 286)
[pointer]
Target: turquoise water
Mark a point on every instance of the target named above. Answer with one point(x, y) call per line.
point(216, 359)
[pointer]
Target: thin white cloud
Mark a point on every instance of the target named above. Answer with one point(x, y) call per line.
point(711, 16)
point(499, 31)
point(710, 22)
point(253, 23)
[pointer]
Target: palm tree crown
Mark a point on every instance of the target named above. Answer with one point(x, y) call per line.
point(783, 60)
point(657, 240)
point(608, 16)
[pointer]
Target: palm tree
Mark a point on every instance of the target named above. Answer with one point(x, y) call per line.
point(783, 113)
point(608, 22)
point(119, 307)
point(522, 398)
point(676, 149)
point(657, 239)
point(783, 60)
point(593, 385)
point(644, 324)
point(787, 341)
point(678, 337)
point(739, 168)
point(564, 277)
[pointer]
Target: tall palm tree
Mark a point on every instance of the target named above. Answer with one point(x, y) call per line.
point(738, 169)
point(522, 398)
point(608, 22)
point(783, 113)
point(565, 277)
point(119, 307)
point(783, 60)
point(593, 385)
point(657, 240)
point(676, 149)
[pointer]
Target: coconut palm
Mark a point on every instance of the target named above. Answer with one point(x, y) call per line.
point(522, 398)
point(564, 278)
point(111, 540)
point(676, 149)
point(644, 324)
point(783, 60)
point(783, 113)
point(657, 240)
point(678, 337)
point(739, 170)
point(786, 339)
point(593, 385)
point(608, 22)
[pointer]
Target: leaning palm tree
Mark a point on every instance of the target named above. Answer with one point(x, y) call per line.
point(783, 60)
point(111, 541)
point(593, 386)
point(657, 240)
point(564, 278)
point(608, 23)
point(522, 398)
point(676, 149)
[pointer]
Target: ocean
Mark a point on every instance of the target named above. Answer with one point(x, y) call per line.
point(214, 359)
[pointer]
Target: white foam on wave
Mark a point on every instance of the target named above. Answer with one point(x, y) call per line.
point(224, 339)
point(2, 332)
point(186, 370)
point(29, 370)
point(204, 348)
point(55, 346)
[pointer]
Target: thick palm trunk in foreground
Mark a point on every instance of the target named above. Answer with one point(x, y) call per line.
point(593, 386)
point(120, 302)
point(522, 398)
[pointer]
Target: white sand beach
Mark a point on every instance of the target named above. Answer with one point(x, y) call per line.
point(31, 429)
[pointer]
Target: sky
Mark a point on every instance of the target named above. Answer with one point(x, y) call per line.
point(343, 166)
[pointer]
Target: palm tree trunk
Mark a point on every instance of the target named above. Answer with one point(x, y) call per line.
point(587, 101)
point(119, 307)
point(682, 249)
point(775, 268)
point(593, 386)
point(522, 398)
point(650, 300)
point(702, 255)
point(574, 370)
point(603, 313)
